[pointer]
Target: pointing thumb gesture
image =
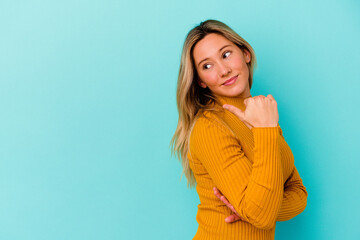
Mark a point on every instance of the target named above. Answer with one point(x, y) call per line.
point(260, 111)
point(240, 114)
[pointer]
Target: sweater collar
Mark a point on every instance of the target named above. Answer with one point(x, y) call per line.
point(235, 101)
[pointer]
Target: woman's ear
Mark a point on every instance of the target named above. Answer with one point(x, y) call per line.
point(201, 83)
point(247, 55)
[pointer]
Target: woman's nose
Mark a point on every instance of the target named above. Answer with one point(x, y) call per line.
point(224, 69)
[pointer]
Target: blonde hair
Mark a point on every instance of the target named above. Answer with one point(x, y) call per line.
point(193, 100)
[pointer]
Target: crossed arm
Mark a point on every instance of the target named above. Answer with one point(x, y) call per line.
point(255, 189)
point(256, 192)
point(293, 203)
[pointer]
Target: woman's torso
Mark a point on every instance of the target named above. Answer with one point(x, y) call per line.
point(211, 211)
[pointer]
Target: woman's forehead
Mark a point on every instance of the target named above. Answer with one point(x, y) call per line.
point(209, 46)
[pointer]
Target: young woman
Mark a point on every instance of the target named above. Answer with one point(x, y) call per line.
point(230, 144)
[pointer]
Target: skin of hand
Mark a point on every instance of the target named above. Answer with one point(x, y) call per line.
point(260, 111)
point(232, 218)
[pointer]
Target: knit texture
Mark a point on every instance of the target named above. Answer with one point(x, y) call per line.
point(253, 168)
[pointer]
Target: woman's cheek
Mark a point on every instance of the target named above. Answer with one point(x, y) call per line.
point(211, 79)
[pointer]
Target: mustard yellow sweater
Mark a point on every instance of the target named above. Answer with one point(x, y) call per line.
point(253, 168)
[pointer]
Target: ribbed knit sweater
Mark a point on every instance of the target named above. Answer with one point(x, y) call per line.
point(253, 168)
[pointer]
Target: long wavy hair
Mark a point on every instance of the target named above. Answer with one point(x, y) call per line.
point(193, 100)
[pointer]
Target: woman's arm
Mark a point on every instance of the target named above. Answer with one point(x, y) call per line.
point(295, 197)
point(254, 189)
point(294, 201)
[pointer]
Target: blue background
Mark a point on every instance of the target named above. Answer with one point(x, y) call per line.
point(88, 109)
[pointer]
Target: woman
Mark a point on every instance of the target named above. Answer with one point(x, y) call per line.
point(231, 142)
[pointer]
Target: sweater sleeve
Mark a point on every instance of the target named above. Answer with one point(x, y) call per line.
point(254, 189)
point(295, 197)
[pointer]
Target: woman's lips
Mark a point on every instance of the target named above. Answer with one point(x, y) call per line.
point(230, 81)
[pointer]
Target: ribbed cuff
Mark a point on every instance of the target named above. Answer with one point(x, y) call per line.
point(265, 144)
point(267, 168)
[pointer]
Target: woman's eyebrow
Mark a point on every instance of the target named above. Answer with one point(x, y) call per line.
point(219, 51)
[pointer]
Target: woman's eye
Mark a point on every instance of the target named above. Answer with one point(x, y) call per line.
point(227, 54)
point(206, 66)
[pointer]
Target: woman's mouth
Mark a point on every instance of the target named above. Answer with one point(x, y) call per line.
point(230, 81)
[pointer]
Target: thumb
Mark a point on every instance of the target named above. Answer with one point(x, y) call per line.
point(235, 110)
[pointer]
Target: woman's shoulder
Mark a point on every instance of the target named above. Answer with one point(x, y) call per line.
point(208, 122)
point(208, 129)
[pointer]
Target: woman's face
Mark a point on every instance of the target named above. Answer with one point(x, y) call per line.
point(221, 66)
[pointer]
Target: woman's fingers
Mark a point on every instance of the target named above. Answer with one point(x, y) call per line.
point(271, 97)
point(232, 218)
point(238, 113)
point(224, 200)
point(259, 96)
point(234, 110)
point(247, 99)
point(217, 193)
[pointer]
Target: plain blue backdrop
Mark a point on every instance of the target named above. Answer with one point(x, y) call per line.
point(87, 99)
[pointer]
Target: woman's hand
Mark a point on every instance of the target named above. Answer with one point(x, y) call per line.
point(260, 111)
point(232, 218)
